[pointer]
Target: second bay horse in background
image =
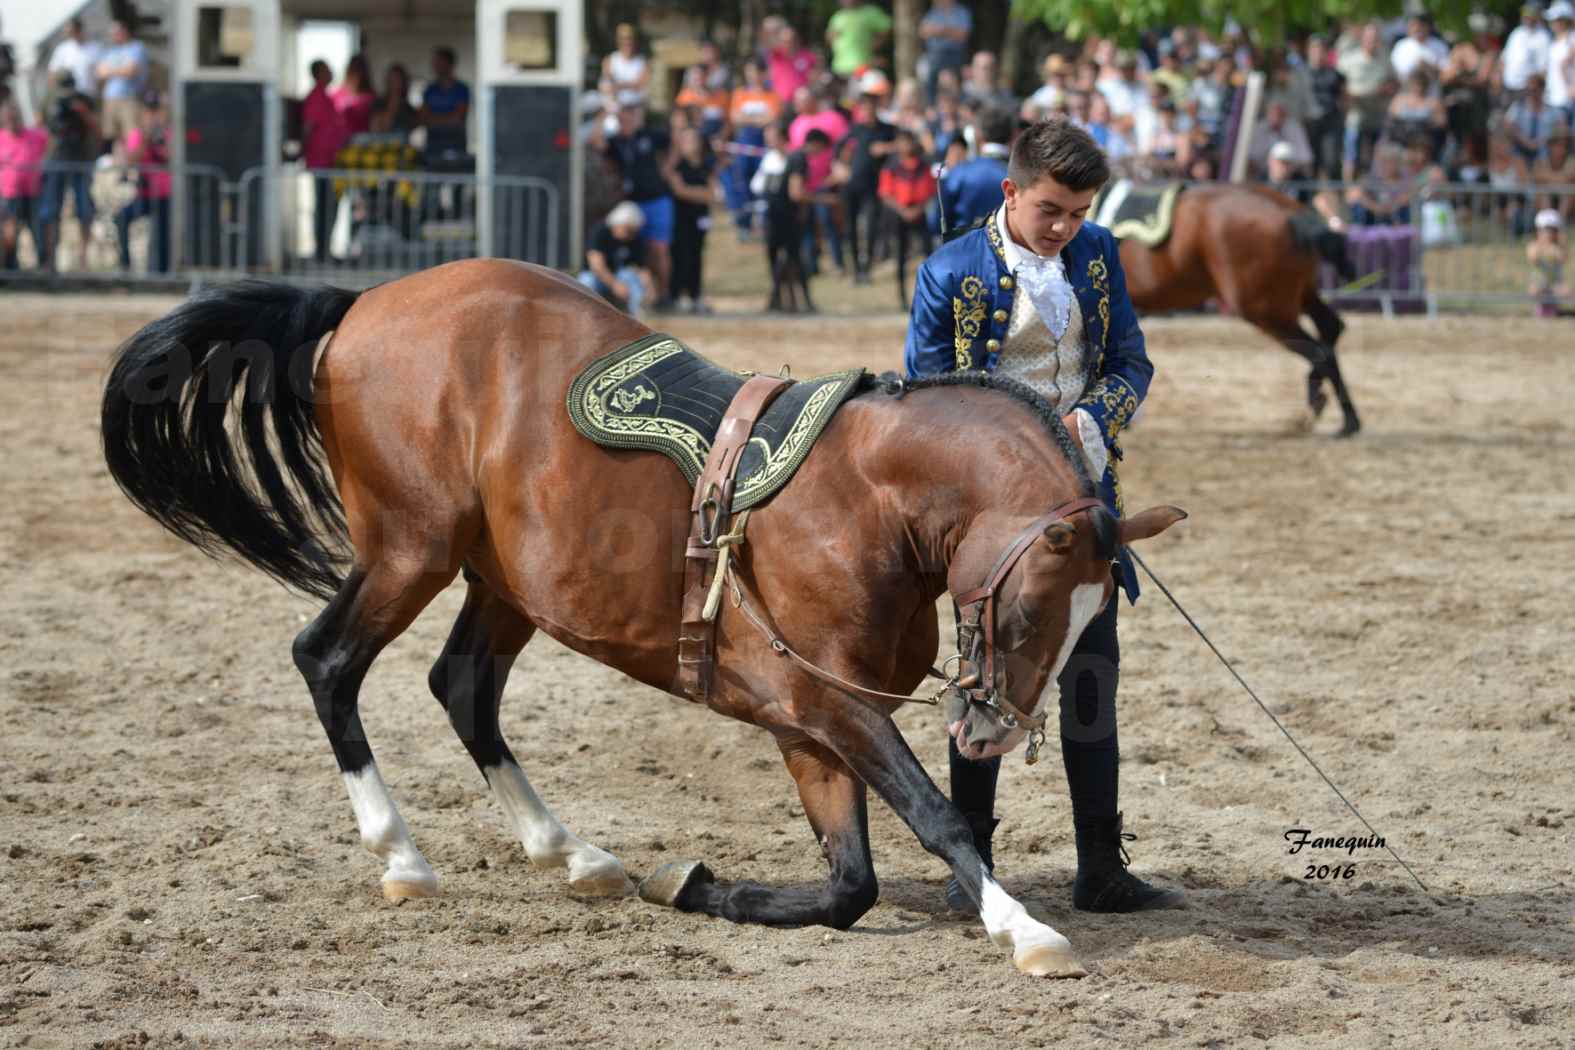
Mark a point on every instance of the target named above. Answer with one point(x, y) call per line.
point(1257, 252)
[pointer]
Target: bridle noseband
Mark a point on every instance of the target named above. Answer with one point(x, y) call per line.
point(977, 620)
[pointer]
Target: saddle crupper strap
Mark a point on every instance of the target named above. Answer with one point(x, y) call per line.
point(709, 512)
point(984, 597)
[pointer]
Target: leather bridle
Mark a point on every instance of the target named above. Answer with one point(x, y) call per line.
point(977, 619)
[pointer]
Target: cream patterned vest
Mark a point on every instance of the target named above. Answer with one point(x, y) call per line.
point(1030, 354)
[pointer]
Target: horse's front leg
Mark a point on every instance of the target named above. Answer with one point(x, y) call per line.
point(833, 801)
point(868, 741)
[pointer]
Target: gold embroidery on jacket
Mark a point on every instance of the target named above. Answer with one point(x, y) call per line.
point(969, 314)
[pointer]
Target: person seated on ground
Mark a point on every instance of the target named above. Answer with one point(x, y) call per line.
point(1286, 174)
point(1546, 253)
point(615, 263)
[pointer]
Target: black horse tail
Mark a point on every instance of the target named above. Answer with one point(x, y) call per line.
point(1311, 233)
point(209, 427)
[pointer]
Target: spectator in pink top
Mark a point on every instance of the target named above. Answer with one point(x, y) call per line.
point(22, 152)
point(814, 114)
point(323, 135)
point(792, 64)
point(354, 97)
point(147, 149)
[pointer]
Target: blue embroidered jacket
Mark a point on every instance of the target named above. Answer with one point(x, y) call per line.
point(972, 191)
point(962, 306)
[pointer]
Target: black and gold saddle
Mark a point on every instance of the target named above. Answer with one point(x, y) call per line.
point(1140, 214)
point(658, 394)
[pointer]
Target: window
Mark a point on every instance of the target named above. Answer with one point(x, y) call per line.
point(530, 39)
point(224, 37)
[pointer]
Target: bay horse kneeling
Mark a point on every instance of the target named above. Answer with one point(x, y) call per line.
point(368, 448)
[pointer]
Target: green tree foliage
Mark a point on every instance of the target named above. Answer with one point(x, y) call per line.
point(1267, 21)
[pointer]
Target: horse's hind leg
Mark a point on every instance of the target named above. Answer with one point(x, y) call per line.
point(834, 803)
point(468, 681)
point(1330, 327)
point(373, 606)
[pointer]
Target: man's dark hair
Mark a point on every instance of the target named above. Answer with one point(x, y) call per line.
point(446, 53)
point(998, 125)
point(816, 137)
point(1061, 150)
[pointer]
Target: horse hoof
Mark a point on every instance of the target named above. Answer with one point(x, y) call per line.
point(665, 885)
point(605, 879)
point(408, 889)
point(1045, 960)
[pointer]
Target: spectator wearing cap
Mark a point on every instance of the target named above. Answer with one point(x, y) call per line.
point(855, 32)
point(1525, 51)
point(972, 190)
point(1056, 72)
point(626, 69)
point(123, 69)
point(639, 152)
point(1561, 60)
point(944, 29)
point(616, 265)
point(147, 149)
point(1286, 174)
point(77, 55)
point(1419, 48)
point(1530, 121)
point(792, 64)
point(870, 142)
point(1547, 254)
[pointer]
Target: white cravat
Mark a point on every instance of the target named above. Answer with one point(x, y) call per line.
point(1044, 280)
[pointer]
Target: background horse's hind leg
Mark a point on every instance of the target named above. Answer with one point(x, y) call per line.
point(834, 802)
point(468, 681)
point(1330, 328)
point(333, 654)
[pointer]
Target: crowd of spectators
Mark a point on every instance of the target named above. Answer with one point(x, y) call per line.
point(1384, 110)
point(98, 112)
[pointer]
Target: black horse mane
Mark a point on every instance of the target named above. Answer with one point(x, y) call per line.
point(896, 386)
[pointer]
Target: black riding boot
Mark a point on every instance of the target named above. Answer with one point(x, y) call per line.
point(1103, 883)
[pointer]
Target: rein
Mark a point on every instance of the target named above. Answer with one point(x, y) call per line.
point(982, 597)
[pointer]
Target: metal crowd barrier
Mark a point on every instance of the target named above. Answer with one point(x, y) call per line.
point(129, 232)
point(384, 223)
point(190, 223)
point(1439, 247)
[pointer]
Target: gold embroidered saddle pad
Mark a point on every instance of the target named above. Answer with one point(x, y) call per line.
point(1142, 215)
point(658, 394)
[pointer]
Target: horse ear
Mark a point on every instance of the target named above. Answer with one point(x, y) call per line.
point(1150, 523)
point(1061, 536)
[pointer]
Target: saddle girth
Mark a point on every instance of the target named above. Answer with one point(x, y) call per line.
point(709, 513)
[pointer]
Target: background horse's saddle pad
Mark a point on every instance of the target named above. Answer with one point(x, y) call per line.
point(1142, 215)
point(658, 394)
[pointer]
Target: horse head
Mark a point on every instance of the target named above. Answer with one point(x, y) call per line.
point(1060, 581)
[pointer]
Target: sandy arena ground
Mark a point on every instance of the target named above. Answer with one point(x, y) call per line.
point(178, 862)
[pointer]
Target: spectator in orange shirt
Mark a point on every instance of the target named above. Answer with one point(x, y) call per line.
point(906, 187)
point(708, 103)
point(752, 107)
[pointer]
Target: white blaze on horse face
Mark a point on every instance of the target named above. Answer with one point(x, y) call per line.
point(547, 842)
point(383, 831)
point(1082, 607)
point(1009, 924)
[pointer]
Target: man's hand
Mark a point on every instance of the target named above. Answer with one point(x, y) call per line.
point(620, 290)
